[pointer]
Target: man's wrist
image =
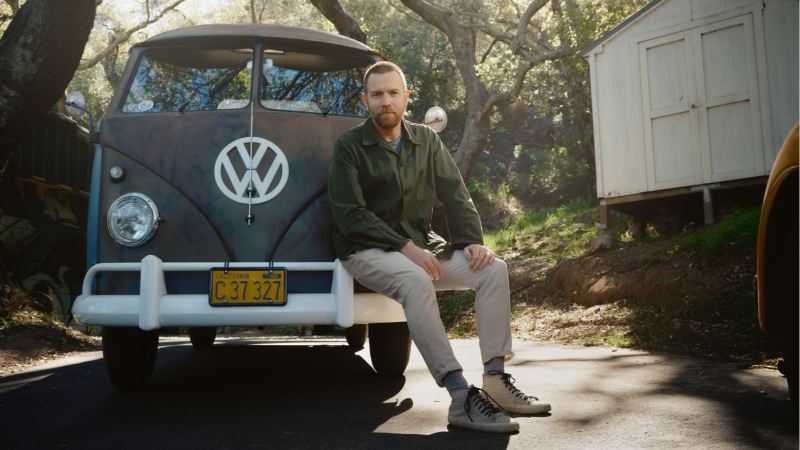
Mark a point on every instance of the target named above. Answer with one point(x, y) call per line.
point(407, 247)
point(463, 245)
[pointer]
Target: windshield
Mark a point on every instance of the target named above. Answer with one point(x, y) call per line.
point(175, 81)
point(178, 80)
point(291, 85)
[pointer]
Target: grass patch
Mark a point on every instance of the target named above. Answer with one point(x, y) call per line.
point(559, 232)
point(620, 340)
point(738, 230)
point(616, 339)
point(458, 313)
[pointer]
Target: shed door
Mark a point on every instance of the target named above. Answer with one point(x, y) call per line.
point(728, 106)
point(700, 99)
point(670, 130)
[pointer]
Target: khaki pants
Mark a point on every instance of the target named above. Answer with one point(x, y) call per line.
point(397, 277)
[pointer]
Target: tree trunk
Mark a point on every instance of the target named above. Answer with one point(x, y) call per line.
point(39, 53)
point(345, 25)
point(109, 65)
point(462, 41)
point(473, 139)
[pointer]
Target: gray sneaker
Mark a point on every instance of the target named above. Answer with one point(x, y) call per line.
point(500, 388)
point(472, 409)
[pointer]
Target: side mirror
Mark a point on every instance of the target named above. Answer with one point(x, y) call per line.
point(76, 103)
point(436, 118)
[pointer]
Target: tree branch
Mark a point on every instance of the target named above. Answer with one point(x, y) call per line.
point(522, 27)
point(432, 14)
point(344, 23)
point(488, 50)
point(519, 78)
point(257, 17)
point(87, 64)
point(406, 13)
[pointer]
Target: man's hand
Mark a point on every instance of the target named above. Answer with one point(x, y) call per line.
point(478, 256)
point(424, 259)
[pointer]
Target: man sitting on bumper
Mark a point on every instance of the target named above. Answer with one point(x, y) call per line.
point(384, 178)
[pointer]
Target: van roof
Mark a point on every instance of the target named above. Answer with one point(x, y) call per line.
point(297, 38)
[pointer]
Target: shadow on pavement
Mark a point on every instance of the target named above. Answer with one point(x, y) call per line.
point(235, 396)
point(675, 388)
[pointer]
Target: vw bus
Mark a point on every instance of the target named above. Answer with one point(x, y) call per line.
point(209, 204)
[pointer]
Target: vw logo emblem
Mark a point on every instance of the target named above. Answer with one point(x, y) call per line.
point(233, 181)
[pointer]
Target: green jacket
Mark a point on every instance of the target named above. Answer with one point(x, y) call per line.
point(382, 200)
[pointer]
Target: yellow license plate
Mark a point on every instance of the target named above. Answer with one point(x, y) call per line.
point(247, 287)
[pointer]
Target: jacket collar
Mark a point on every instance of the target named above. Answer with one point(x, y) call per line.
point(370, 136)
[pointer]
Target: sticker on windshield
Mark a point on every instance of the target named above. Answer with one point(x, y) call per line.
point(129, 108)
point(144, 105)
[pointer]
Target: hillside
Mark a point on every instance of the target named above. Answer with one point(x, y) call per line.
point(690, 292)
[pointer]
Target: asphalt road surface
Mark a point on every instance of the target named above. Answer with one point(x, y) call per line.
point(289, 394)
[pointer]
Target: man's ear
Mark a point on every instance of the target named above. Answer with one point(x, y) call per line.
point(364, 101)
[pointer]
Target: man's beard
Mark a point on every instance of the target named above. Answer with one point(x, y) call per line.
point(387, 119)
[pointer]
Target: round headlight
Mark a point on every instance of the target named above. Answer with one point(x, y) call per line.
point(132, 219)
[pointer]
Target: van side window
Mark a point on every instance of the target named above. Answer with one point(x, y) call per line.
point(316, 88)
point(190, 81)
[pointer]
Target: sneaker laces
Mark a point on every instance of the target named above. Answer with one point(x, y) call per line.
point(485, 405)
point(508, 381)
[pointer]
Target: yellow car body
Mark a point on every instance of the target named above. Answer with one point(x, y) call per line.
point(775, 217)
point(777, 257)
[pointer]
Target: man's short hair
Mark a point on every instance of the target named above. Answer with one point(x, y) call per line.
point(384, 67)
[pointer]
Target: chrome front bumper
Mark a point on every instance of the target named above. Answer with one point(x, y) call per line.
point(154, 307)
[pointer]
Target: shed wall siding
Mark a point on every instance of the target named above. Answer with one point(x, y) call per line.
point(615, 138)
point(705, 8)
point(622, 136)
point(780, 25)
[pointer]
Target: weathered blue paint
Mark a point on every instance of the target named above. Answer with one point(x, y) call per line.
point(170, 157)
point(94, 207)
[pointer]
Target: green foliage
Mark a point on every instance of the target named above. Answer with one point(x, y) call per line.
point(546, 139)
point(96, 90)
point(738, 230)
point(420, 49)
point(559, 232)
point(615, 339)
point(553, 175)
point(457, 312)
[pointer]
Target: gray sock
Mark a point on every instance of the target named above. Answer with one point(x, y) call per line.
point(494, 365)
point(455, 381)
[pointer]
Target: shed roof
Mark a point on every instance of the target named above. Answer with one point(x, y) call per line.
point(300, 37)
point(613, 32)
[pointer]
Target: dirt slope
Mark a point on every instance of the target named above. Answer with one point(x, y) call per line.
point(644, 295)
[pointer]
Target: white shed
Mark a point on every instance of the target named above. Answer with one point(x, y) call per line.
point(692, 95)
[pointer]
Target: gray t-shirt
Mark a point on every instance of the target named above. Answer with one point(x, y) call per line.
point(397, 144)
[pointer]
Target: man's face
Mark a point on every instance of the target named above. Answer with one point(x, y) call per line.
point(385, 99)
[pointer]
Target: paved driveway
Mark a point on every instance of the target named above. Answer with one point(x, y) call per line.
point(289, 394)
